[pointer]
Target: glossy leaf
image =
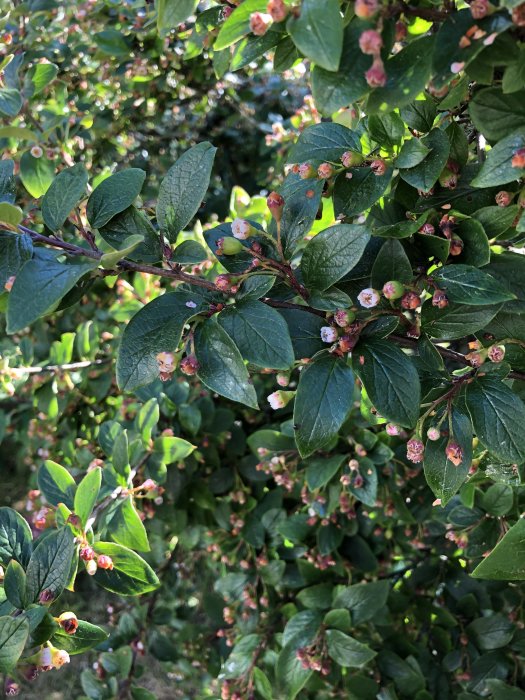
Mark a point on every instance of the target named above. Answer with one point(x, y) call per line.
point(50, 564)
point(114, 194)
point(130, 575)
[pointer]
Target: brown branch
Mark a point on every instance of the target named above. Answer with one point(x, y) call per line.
point(68, 367)
point(427, 13)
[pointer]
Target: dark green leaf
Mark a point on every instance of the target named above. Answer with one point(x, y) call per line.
point(15, 584)
point(386, 129)
point(291, 677)
point(221, 367)
point(347, 651)
point(305, 332)
point(390, 379)
point(363, 600)
point(491, 632)
point(324, 142)
point(57, 484)
point(238, 23)
point(10, 102)
point(506, 562)
point(260, 333)
point(324, 398)
point(498, 416)
point(392, 263)
point(183, 189)
point(15, 537)
point(495, 114)
point(132, 222)
point(87, 493)
point(364, 188)
point(172, 449)
point(412, 153)
point(130, 575)
point(171, 13)
point(63, 194)
point(332, 253)
point(50, 565)
point(419, 115)
point(424, 175)
point(456, 320)
point(468, 285)
point(13, 636)
point(318, 32)
point(7, 181)
point(86, 637)
point(498, 169)
point(498, 499)
point(113, 195)
point(16, 249)
point(156, 328)
point(320, 471)
point(126, 528)
point(36, 174)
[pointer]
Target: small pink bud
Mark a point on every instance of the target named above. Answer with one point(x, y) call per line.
point(275, 203)
point(328, 334)
point(148, 485)
point(87, 553)
point(433, 434)
point(241, 229)
point(166, 362)
point(68, 621)
point(415, 450)
point(8, 286)
point(392, 429)
point(343, 317)
point(364, 9)
point(479, 8)
point(518, 15)
point(283, 379)
point(36, 152)
point(375, 75)
point(189, 365)
point(503, 199)
point(279, 399)
point(91, 567)
point(325, 170)
point(306, 171)
point(457, 67)
point(277, 9)
point(454, 453)
point(393, 290)
point(378, 167)
point(351, 158)
point(370, 42)
point(427, 228)
point(260, 22)
point(456, 246)
point(46, 596)
point(410, 300)
point(222, 283)
point(368, 298)
point(439, 299)
point(105, 562)
point(518, 159)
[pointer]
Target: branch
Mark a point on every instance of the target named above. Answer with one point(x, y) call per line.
point(428, 13)
point(68, 367)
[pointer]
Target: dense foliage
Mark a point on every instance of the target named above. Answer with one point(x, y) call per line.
point(262, 390)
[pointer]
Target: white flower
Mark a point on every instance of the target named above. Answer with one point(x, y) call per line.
point(328, 334)
point(368, 298)
point(191, 305)
point(275, 400)
point(241, 229)
point(60, 657)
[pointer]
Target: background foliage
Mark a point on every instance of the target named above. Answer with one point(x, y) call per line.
point(289, 547)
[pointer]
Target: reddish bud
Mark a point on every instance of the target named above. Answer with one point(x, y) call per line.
point(456, 246)
point(105, 562)
point(503, 198)
point(393, 290)
point(275, 203)
point(401, 30)
point(306, 171)
point(347, 342)
point(222, 283)
point(518, 159)
point(454, 453)
point(410, 300)
point(189, 365)
point(69, 622)
point(260, 22)
point(479, 8)
point(370, 42)
point(351, 158)
point(518, 15)
point(439, 299)
point(375, 75)
point(277, 9)
point(415, 450)
point(343, 317)
point(87, 553)
point(46, 596)
point(378, 167)
point(366, 8)
point(427, 228)
point(325, 170)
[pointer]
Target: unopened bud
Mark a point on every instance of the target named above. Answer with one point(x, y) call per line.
point(410, 300)
point(351, 158)
point(365, 9)
point(433, 434)
point(189, 365)
point(231, 246)
point(503, 198)
point(325, 170)
point(343, 317)
point(393, 290)
point(328, 334)
point(275, 203)
point(370, 42)
point(454, 453)
point(260, 22)
point(105, 562)
point(378, 167)
point(279, 399)
point(241, 229)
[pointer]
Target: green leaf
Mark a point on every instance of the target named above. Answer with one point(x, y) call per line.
point(7, 181)
point(172, 449)
point(291, 677)
point(126, 528)
point(255, 286)
point(491, 632)
point(392, 263)
point(120, 454)
point(506, 562)
point(302, 200)
point(498, 499)
point(386, 129)
point(156, 328)
point(347, 651)
point(444, 477)
point(262, 684)
point(407, 75)
point(333, 90)
point(498, 416)
point(322, 142)
point(495, 114)
point(318, 32)
point(57, 484)
point(424, 175)
point(221, 367)
point(324, 399)
point(146, 420)
point(253, 47)
point(85, 638)
point(355, 195)
point(50, 565)
point(113, 43)
point(465, 284)
point(302, 628)
point(189, 253)
point(15, 584)
point(40, 76)
point(390, 379)
point(260, 333)
point(36, 174)
point(319, 471)
point(238, 23)
point(10, 102)
point(10, 215)
point(497, 169)
point(87, 493)
point(16, 540)
point(114, 194)
point(332, 253)
point(63, 194)
point(404, 229)
point(476, 249)
point(183, 189)
point(496, 220)
point(366, 491)
point(39, 287)
point(13, 636)
point(363, 600)
point(132, 222)
point(130, 575)
point(419, 115)
point(305, 332)
point(456, 320)
point(109, 260)
point(171, 13)
point(239, 661)
point(412, 153)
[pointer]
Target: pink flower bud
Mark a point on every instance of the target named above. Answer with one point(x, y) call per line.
point(277, 9)
point(454, 453)
point(503, 199)
point(456, 246)
point(392, 429)
point(222, 283)
point(46, 596)
point(325, 170)
point(87, 553)
point(366, 8)
point(393, 290)
point(8, 286)
point(279, 399)
point(479, 8)
point(439, 299)
point(328, 334)
point(370, 42)
point(433, 434)
point(518, 159)
point(275, 203)
point(105, 562)
point(189, 365)
point(378, 167)
point(306, 171)
point(148, 485)
point(343, 317)
point(260, 22)
point(415, 450)
point(166, 362)
point(351, 158)
point(368, 298)
point(91, 567)
point(427, 228)
point(376, 75)
point(410, 300)
point(241, 229)
point(497, 353)
point(283, 379)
